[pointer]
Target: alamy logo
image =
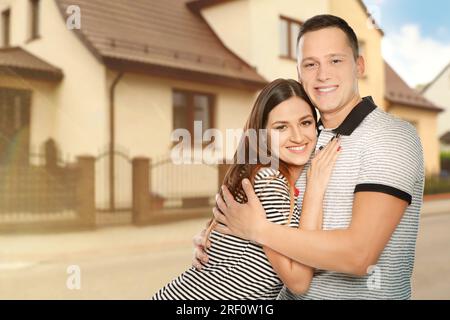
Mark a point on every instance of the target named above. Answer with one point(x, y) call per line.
point(74, 19)
point(374, 279)
point(74, 279)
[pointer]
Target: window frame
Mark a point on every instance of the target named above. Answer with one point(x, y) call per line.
point(289, 21)
point(190, 94)
point(6, 28)
point(34, 14)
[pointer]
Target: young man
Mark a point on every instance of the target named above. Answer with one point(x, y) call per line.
point(372, 204)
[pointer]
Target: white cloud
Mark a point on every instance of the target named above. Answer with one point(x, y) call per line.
point(416, 59)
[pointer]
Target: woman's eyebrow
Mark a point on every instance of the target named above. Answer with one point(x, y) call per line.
point(304, 117)
point(280, 121)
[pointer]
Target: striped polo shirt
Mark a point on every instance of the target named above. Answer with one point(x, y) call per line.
point(380, 153)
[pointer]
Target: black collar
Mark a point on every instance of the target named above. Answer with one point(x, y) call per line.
point(354, 118)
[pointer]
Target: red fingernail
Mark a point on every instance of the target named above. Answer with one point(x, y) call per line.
point(339, 148)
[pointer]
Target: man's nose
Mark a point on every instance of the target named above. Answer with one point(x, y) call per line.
point(323, 73)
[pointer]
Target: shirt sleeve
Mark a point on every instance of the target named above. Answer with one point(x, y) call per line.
point(273, 191)
point(391, 161)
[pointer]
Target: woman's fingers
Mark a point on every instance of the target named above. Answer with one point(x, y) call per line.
point(219, 216)
point(220, 203)
point(331, 151)
point(324, 154)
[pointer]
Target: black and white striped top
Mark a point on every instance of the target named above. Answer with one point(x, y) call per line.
point(237, 268)
point(380, 153)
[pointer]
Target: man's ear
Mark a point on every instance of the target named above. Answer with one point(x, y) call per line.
point(360, 66)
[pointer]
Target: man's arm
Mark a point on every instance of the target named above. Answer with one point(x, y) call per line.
point(375, 217)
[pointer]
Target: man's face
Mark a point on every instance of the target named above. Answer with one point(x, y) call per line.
point(328, 70)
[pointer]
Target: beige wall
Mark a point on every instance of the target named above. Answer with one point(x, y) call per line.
point(250, 28)
point(144, 125)
point(80, 100)
point(425, 123)
point(373, 84)
point(144, 111)
point(439, 93)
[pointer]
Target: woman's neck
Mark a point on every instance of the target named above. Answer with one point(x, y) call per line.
point(295, 172)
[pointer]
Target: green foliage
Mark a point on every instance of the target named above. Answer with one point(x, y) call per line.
point(435, 185)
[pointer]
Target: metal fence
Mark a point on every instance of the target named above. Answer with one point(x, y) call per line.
point(113, 189)
point(181, 186)
point(43, 187)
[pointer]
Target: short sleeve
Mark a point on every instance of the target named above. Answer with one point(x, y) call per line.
point(272, 189)
point(391, 161)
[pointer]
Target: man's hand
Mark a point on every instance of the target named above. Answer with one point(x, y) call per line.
point(200, 257)
point(240, 220)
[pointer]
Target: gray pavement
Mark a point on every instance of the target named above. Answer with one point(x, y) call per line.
point(133, 262)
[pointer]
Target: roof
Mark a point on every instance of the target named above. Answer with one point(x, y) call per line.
point(200, 4)
point(164, 38)
point(445, 138)
point(435, 78)
point(17, 61)
point(369, 15)
point(397, 91)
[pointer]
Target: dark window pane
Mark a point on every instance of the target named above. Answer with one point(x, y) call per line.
point(201, 110)
point(180, 110)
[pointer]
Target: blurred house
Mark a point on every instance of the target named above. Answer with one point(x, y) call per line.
point(438, 91)
point(408, 104)
point(136, 70)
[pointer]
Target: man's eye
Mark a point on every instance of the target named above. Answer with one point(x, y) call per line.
point(309, 65)
point(335, 61)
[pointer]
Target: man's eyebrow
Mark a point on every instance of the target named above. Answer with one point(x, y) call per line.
point(336, 55)
point(328, 55)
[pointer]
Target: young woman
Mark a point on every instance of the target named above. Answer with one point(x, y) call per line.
point(240, 269)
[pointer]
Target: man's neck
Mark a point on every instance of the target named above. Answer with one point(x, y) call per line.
point(334, 119)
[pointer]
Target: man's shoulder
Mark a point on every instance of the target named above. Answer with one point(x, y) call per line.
point(382, 124)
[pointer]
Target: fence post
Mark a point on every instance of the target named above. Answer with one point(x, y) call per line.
point(141, 190)
point(86, 190)
point(51, 155)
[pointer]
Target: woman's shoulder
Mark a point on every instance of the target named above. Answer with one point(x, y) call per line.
point(269, 177)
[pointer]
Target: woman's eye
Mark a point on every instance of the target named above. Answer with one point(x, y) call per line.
point(306, 123)
point(280, 127)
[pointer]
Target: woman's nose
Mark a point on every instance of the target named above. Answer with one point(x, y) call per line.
point(296, 135)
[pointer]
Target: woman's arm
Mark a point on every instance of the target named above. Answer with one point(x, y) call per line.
point(296, 276)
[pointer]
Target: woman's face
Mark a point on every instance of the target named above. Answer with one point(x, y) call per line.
point(292, 122)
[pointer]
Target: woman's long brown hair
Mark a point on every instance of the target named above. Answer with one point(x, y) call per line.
point(271, 95)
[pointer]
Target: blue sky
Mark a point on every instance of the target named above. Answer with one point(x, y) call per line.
point(417, 36)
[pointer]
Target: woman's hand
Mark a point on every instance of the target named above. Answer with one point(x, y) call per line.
point(320, 170)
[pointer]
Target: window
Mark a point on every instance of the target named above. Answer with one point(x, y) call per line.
point(34, 19)
point(14, 124)
point(6, 24)
point(189, 106)
point(289, 29)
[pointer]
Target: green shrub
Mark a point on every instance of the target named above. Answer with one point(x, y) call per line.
point(435, 185)
point(445, 154)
